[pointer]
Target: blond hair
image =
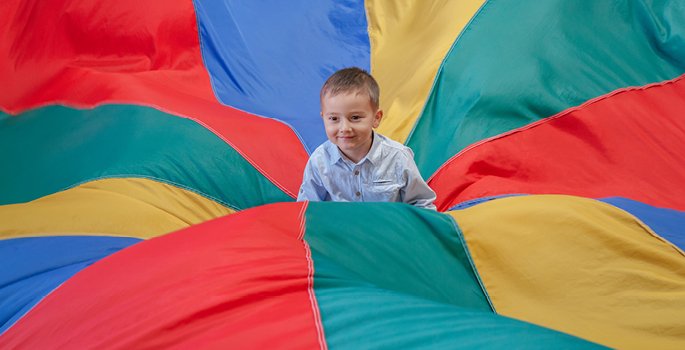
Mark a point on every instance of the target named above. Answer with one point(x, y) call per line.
point(352, 79)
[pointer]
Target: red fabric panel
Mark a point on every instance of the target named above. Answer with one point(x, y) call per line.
point(85, 53)
point(630, 143)
point(241, 281)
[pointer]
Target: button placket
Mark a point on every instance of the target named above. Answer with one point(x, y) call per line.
point(359, 181)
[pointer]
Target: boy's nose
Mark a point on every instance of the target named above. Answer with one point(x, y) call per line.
point(345, 126)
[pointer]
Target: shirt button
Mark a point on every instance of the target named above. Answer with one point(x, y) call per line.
point(358, 193)
point(356, 172)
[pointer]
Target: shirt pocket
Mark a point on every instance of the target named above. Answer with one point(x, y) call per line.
point(385, 190)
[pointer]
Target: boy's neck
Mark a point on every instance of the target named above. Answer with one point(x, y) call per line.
point(354, 160)
point(358, 158)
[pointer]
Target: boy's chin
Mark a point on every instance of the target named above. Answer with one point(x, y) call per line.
point(347, 145)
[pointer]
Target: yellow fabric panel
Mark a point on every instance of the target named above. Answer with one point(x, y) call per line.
point(128, 207)
point(409, 40)
point(579, 266)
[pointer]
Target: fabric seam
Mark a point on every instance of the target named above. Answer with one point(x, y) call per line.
point(310, 279)
point(644, 226)
point(211, 84)
point(137, 176)
point(440, 69)
point(58, 286)
point(171, 113)
point(462, 240)
point(555, 116)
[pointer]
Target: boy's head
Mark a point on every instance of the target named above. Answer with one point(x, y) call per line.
point(350, 111)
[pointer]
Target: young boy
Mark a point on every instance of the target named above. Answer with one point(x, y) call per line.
point(357, 164)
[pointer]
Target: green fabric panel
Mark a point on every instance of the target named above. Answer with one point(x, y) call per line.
point(389, 275)
point(360, 316)
point(53, 148)
point(392, 246)
point(520, 61)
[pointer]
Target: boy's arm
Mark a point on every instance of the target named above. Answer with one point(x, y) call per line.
point(417, 192)
point(312, 188)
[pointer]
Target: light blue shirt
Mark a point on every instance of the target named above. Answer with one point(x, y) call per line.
point(387, 174)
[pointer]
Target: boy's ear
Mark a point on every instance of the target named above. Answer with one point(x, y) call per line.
point(377, 118)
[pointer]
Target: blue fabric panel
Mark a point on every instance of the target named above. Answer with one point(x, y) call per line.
point(34, 267)
point(270, 58)
point(667, 223)
point(472, 202)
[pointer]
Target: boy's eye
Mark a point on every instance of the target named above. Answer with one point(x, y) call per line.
point(356, 117)
point(332, 118)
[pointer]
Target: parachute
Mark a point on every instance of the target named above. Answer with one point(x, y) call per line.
point(152, 153)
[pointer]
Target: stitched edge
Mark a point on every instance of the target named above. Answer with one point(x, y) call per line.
point(549, 119)
point(642, 224)
point(212, 81)
point(440, 69)
point(310, 279)
point(138, 176)
point(462, 240)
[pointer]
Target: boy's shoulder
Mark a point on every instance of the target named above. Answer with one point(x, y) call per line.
point(324, 151)
point(324, 148)
point(394, 146)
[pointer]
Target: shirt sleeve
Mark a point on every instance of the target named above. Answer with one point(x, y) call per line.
point(416, 192)
point(312, 188)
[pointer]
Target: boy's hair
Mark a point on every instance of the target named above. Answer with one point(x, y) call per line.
point(349, 80)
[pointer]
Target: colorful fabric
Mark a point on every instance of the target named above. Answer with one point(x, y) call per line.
point(152, 152)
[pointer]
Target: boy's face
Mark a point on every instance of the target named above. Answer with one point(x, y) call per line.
point(349, 119)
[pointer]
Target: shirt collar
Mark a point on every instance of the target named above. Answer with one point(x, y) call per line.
point(334, 154)
point(373, 156)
